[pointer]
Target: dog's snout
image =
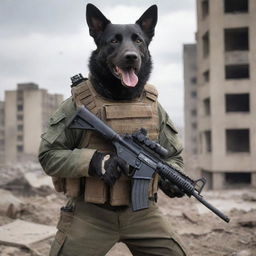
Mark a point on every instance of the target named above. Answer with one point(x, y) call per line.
point(131, 56)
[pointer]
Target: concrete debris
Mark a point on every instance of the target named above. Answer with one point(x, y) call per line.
point(193, 218)
point(201, 231)
point(9, 251)
point(25, 179)
point(243, 253)
point(251, 197)
point(23, 234)
point(10, 205)
point(194, 230)
point(248, 222)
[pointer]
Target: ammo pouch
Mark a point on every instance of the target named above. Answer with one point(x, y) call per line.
point(69, 186)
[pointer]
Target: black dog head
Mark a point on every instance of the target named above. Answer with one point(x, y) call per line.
point(121, 64)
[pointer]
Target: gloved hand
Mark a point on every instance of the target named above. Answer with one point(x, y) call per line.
point(107, 166)
point(170, 189)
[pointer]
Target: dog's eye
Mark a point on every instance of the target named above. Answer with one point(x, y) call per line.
point(114, 41)
point(138, 41)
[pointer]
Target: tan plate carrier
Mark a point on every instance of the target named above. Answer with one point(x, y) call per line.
point(123, 117)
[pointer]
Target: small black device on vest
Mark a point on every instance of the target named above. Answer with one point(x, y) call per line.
point(77, 79)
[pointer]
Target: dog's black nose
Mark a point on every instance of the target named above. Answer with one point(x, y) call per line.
point(131, 56)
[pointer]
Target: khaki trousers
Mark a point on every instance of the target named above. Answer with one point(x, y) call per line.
point(92, 230)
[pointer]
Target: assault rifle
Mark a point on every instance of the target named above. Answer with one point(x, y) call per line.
point(144, 155)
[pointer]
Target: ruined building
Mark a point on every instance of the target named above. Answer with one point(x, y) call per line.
point(1, 132)
point(27, 111)
point(190, 106)
point(226, 92)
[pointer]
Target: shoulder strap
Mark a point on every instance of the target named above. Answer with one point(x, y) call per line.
point(151, 92)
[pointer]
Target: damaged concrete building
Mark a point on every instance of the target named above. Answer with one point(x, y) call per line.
point(26, 114)
point(1, 132)
point(225, 93)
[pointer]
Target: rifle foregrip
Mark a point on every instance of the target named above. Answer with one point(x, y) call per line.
point(140, 194)
point(173, 176)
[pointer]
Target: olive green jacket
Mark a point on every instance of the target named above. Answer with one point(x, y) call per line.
point(61, 156)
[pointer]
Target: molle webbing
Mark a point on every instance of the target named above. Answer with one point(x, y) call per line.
point(123, 117)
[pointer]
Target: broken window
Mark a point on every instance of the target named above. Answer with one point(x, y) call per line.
point(193, 94)
point(237, 140)
point(207, 107)
point(206, 48)
point(234, 178)
point(205, 8)
point(200, 142)
point(20, 107)
point(193, 112)
point(20, 117)
point(19, 148)
point(193, 80)
point(208, 141)
point(237, 71)
point(206, 76)
point(208, 176)
point(237, 102)
point(19, 95)
point(236, 39)
point(1, 145)
point(20, 127)
point(194, 125)
point(233, 6)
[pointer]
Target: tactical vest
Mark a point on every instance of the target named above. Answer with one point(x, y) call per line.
point(123, 117)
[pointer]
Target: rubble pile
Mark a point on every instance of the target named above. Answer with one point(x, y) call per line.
point(29, 211)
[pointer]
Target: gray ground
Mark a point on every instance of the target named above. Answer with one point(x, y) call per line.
point(203, 232)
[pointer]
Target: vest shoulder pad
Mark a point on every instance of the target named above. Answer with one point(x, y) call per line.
point(80, 91)
point(151, 92)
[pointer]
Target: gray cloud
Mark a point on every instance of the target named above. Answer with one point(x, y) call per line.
point(64, 16)
point(47, 42)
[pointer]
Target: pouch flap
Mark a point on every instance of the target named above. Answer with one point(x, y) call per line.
point(124, 111)
point(56, 117)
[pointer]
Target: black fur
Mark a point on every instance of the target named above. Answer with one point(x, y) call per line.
point(125, 46)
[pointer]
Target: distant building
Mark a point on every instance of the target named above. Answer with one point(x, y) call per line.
point(190, 107)
point(1, 132)
point(226, 94)
point(27, 111)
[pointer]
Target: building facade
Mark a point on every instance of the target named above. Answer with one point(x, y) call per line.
point(1, 132)
point(27, 111)
point(190, 107)
point(226, 92)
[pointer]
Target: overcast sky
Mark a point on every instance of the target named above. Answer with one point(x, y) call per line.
point(47, 42)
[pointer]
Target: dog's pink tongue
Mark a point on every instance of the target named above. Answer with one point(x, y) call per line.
point(129, 78)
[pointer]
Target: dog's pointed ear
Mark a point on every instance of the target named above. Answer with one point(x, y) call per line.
point(148, 21)
point(96, 21)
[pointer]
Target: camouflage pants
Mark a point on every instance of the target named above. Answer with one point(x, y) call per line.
point(92, 230)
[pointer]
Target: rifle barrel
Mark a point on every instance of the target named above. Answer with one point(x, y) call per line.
point(211, 207)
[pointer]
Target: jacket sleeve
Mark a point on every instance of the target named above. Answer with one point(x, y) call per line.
point(59, 154)
point(168, 138)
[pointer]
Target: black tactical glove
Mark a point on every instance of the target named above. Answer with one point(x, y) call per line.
point(107, 166)
point(170, 189)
